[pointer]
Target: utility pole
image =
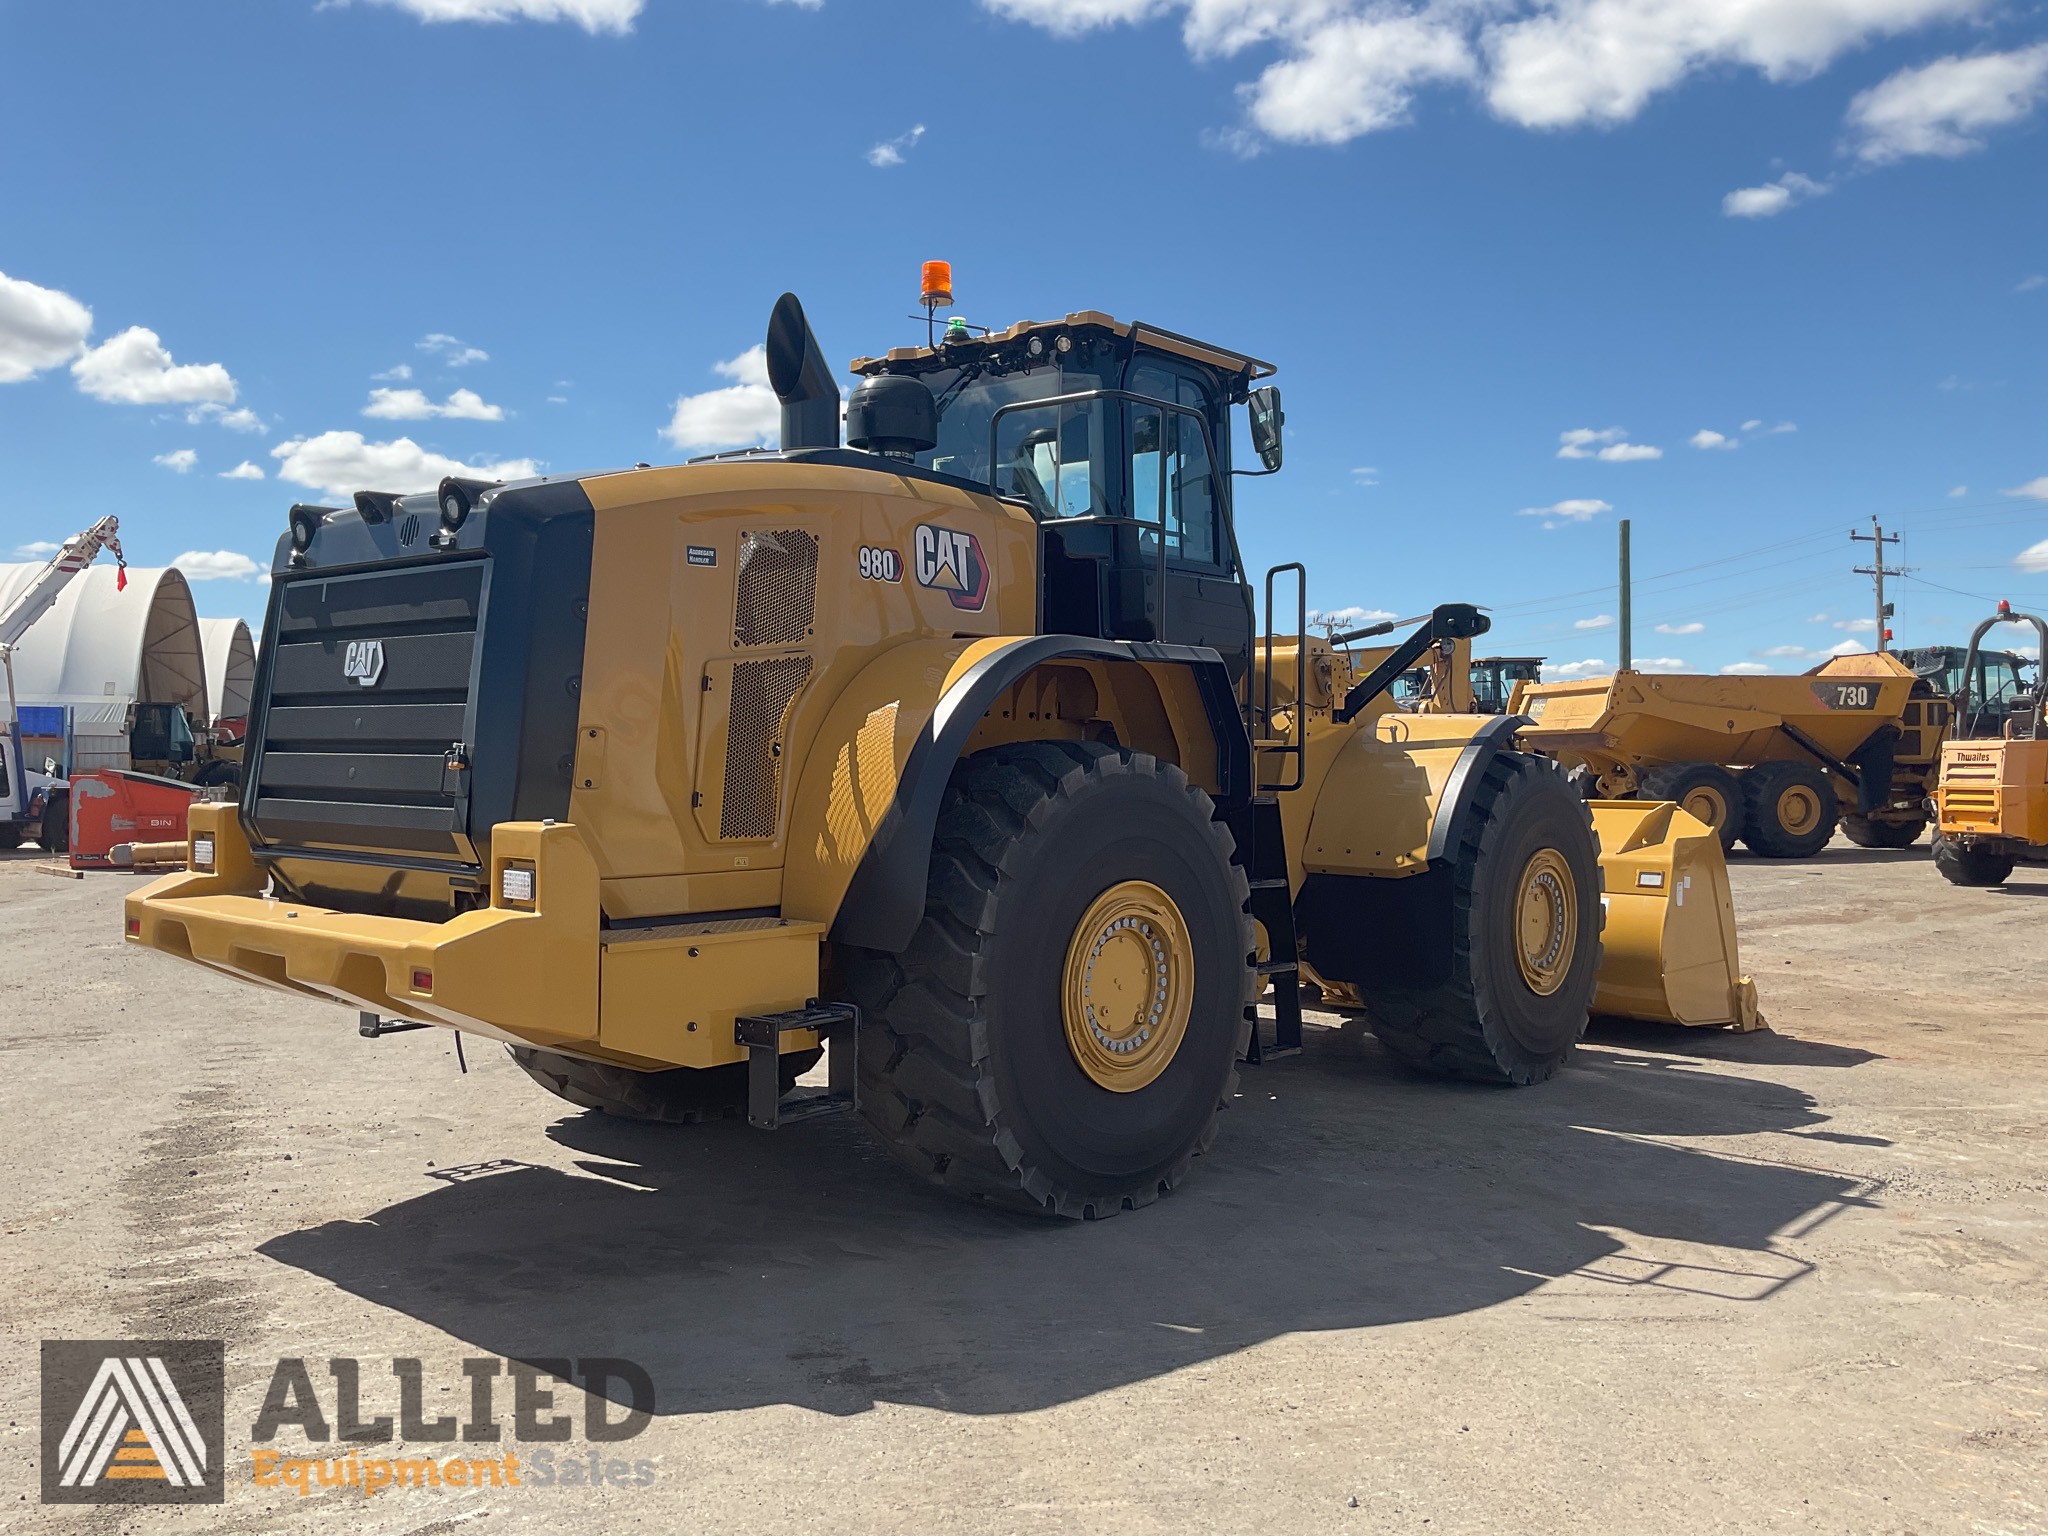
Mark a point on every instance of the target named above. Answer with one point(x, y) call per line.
point(1627, 615)
point(1877, 570)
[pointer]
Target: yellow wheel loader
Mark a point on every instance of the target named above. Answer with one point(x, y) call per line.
point(1778, 762)
point(954, 750)
point(1991, 802)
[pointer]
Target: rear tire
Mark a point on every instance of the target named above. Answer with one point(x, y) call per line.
point(680, 1096)
point(975, 1075)
point(1705, 790)
point(1865, 833)
point(1788, 810)
point(56, 837)
point(1963, 865)
point(1489, 1022)
point(10, 836)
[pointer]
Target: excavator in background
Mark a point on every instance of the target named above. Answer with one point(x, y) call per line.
point(958, 751)
point(33, 806)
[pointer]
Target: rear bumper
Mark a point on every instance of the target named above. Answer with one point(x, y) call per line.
point(543, 973)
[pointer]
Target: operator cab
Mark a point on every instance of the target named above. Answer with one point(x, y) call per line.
point(1117, 436)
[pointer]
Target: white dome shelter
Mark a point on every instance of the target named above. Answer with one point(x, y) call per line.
point(99, 650)
point(230, 667)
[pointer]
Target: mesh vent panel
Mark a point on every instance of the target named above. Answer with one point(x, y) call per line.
point(761, 695)
point(778, 588)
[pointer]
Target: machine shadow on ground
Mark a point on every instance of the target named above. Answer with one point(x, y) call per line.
point(742, 1268)
point(1762, 1048)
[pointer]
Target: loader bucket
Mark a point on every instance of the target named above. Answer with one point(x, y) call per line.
point(1669, 941)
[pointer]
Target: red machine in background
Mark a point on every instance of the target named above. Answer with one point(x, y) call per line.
point(114, 809)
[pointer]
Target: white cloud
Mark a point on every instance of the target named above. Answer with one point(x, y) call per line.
point(2030, 283)
point(1773, 197)
point(1681, 629)
point(1960, 490)
point(1752, 424)
point(2033, 490)
point(1365, 475)
point(1659, 664)
point(39, 328)
point(413, 405)
point(1783, 427)
point(342, 463)
point(1350, 75)
point(1846, 648)
point(1857, 626)
point(1580, 509)
point(614, 16)
point(216, 565)
point(1944, 108)
point(891, 151)
point(1611, 445)
point(1744, 669)
point(1784, 650)
point(243, 471)
point(240, 419)
point(2034, 558)
point(1707, 437)
point(398, 373)
point(1598, 621)
point(178, 459)
point(1592, 666)
point(449, 350)
point(42, 549)
point(133, 368)
point(744, 412)
point(1347, 618)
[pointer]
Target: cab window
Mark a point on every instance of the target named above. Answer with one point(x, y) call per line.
point(1171, 474)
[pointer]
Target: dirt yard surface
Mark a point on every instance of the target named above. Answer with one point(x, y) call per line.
point(1790, 1281)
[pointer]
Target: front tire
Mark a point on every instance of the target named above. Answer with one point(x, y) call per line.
point(1067, 1020)
point(1525, 937)
point(56, 836)
point(1865, 833)
point(1961, 864)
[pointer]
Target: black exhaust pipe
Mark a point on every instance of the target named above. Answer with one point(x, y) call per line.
point(802, 382)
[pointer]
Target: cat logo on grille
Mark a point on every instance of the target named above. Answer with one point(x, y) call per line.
point(951, 562)
point(131, 1414)
point(363, 660)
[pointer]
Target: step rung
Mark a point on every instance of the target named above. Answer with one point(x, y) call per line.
point(1269, 885)
point(1277, 967)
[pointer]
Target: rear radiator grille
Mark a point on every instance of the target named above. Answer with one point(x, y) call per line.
point(762, 692)
point(778, 588)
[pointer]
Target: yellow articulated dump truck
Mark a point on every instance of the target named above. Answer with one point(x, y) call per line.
point(954, 750)
point(1778, 762)
point(1992, 797)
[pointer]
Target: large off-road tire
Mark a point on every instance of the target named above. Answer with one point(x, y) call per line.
point(1061, 874)
point(10, 836)
point(1865, 833)
point(682, 1096)
point(1525, 936)
point(1705, 790)
point(56, 835)
point(1964, 865)
point(1788, 810)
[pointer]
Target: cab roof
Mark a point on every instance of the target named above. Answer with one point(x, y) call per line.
point(1090, 319)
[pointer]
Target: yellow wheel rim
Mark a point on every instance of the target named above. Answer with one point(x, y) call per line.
point(1128, 986)
point(1546, 921)
point(1708, 804)
point(1799, 809)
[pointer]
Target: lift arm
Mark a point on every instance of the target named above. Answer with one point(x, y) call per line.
point(79, 551)
point(1450, 621)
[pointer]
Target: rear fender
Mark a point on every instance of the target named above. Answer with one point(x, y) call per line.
point(867, 802)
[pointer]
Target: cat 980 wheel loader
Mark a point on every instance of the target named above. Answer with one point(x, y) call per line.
point(954, 749)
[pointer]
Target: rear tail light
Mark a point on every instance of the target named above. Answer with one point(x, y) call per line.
point(134, 927)
point(515, 885)
point(422, 981)
point(202, 853)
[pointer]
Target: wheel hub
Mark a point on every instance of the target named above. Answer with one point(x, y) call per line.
point(1799, 809)
point(1128, 986)
point(1547, 921)
point(1708, 806)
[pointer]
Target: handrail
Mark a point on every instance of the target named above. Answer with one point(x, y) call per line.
point(1297, 730)
point(2005, 616)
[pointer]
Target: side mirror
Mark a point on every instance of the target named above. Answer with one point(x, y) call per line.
point(1267, 419)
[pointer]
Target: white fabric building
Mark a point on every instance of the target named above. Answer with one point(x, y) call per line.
point(230, 667)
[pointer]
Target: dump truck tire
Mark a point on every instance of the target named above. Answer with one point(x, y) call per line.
point(979, 1072)
point(1705, 790)
point(1489, 1021)
point(1962, 865)
point(56, 836)
point(1865, 833)
point(1788, 810)
point(682, 1096)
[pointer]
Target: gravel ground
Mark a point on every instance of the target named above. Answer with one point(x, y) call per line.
point(1790, 1281)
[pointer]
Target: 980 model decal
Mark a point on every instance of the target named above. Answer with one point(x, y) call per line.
point(880, 564)
point(951, 562)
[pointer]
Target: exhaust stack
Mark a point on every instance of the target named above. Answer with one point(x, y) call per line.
point(802, 382)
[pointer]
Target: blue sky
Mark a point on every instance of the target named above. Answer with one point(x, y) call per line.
point(1500, 250)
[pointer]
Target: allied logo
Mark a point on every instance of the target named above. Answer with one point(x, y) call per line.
point(951, 562)
point(133, 1421)
point(363, 660)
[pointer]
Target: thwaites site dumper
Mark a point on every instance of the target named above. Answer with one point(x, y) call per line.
point(954, 749)
point(1776, 761)
point(1992, 796)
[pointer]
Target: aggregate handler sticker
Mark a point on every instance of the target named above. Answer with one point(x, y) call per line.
point(951, 562)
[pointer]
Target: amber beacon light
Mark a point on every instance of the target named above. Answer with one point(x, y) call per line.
point(938, 284)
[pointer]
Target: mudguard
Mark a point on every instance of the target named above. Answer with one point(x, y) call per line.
point(867, 803)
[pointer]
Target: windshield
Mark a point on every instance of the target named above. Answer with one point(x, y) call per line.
point(1057, 459)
